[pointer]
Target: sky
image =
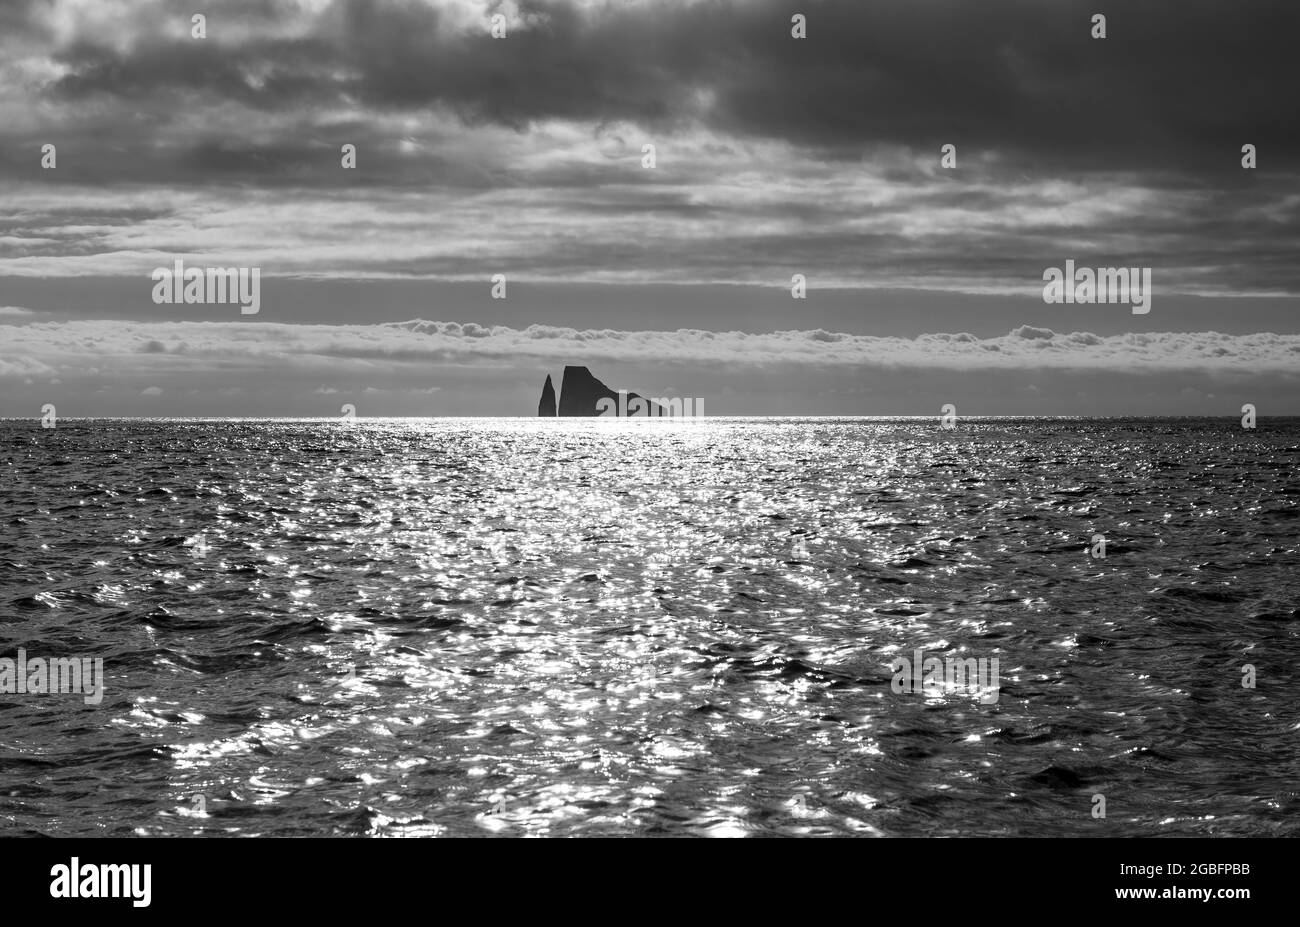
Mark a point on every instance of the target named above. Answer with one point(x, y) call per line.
point(523, 156)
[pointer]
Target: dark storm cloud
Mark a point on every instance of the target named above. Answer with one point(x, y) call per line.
point(776, 155)
point(1183, 83)
point(182, 68)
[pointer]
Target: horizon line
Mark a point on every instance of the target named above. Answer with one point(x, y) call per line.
point(646, 418)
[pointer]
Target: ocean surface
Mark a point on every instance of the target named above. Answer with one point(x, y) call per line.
point(576, 627)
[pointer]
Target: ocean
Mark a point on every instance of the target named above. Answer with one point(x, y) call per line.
point(575, 627)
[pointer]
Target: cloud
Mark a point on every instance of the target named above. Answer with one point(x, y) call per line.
point(818, 155)
point(759, 228)
point(1019, 76)
point(406, 349)
point(421, 367)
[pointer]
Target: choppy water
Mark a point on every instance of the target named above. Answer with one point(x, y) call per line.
point(575, 627)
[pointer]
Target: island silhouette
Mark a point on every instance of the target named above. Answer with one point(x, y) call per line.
point(581, 395)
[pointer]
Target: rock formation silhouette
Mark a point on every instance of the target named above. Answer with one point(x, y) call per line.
point(546, 407)
point(580, 392)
